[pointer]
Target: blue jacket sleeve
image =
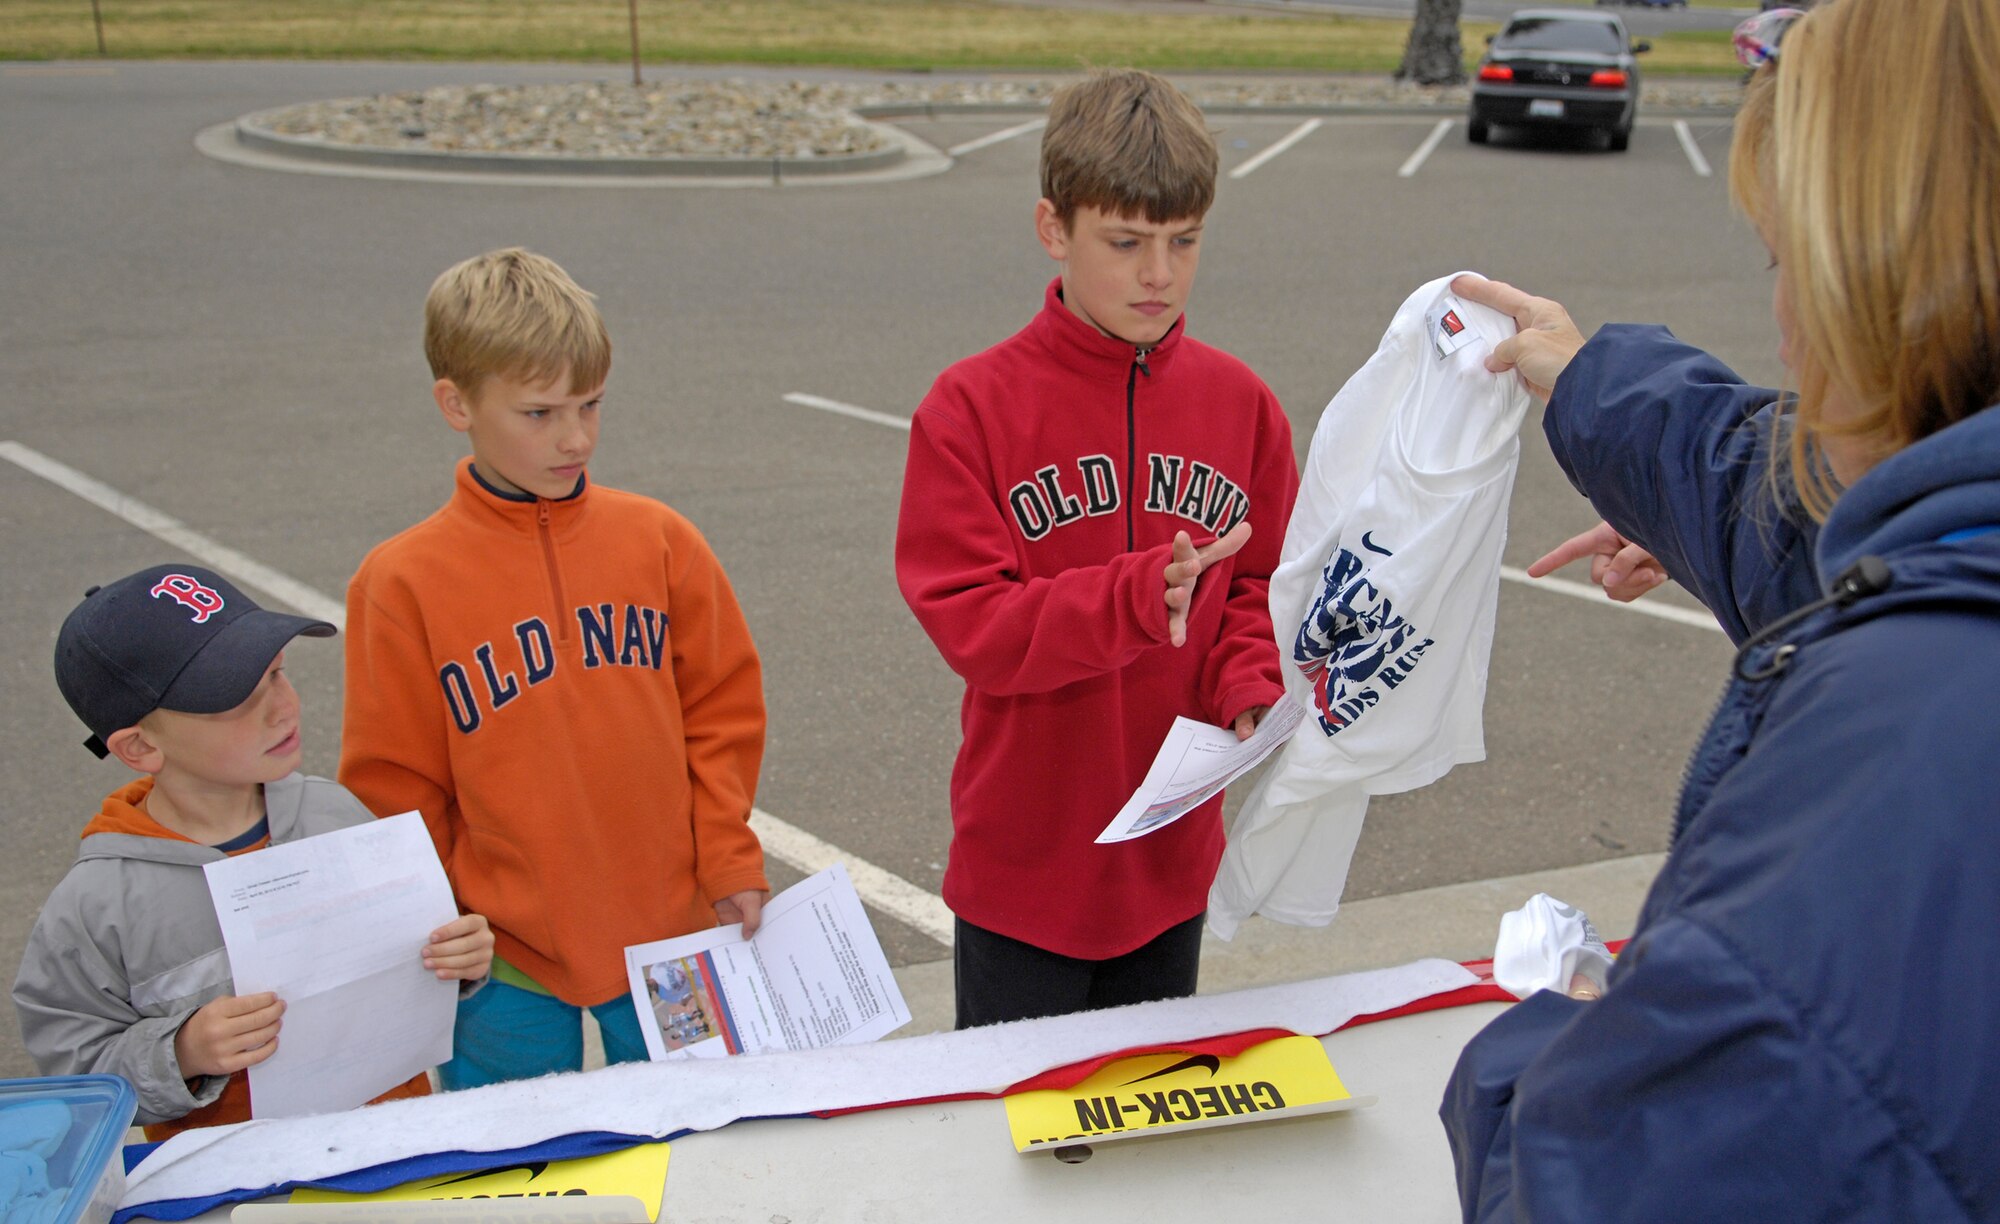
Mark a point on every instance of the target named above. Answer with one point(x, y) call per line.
point(1478, 1102)
point(1674, 450)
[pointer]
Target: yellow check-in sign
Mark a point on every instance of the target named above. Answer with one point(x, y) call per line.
point(1152, 1094)
point(637, 1172)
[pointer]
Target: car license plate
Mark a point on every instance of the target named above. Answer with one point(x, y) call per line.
point(1545, 108)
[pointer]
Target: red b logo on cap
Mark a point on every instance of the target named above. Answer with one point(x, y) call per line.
point(203, 601)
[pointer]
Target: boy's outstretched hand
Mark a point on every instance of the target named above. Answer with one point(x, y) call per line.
point(1186, 567)
point(461, 948)
point(746, 907)
point(228, 1034)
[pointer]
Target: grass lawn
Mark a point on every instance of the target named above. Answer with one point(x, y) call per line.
point(910, 34)
point(1744, 5)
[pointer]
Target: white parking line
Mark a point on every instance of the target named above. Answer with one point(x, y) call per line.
point(1583, 590)
point(1287, 141)
point(1692, 149)
point(886, 891)
point(1554, 586)
point(283, 588)
point(994, 138)
point(1416, 161)
point(859, 414)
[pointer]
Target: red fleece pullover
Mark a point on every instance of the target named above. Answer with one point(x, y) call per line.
point(568, 692)
point(1046, 479)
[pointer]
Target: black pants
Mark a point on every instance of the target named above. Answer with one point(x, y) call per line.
point(1000, 979)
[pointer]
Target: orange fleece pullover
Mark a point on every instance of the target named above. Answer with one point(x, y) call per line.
point(567, 691)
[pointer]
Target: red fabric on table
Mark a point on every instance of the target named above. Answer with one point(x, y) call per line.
point(1486, 991)
point(1227, 1045)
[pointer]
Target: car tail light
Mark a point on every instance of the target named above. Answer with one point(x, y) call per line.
point(1496, 72)
point(1608, 78)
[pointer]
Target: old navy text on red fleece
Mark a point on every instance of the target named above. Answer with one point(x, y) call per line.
point(1046, 479)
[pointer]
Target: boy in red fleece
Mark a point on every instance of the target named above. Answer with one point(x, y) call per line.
point(557, 675)
point(1056, 488)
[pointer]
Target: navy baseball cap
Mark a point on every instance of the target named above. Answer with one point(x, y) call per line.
point(172, 637)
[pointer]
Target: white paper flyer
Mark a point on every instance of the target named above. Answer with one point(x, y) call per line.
point(336, 925)
point(813, 975)
point(1195, 762)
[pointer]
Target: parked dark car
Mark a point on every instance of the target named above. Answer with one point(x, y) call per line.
point(1558, 68)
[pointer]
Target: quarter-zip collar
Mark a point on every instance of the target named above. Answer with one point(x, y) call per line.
point(1077, 346)
point(544, 522)
point(519, 512)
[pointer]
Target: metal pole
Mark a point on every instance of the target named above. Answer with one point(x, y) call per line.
point(97, 15)
point(633, 5)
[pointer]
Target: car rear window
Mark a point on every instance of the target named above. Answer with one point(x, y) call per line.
point(1559, 34)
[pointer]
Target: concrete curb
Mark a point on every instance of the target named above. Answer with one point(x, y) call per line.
point(251, 141)
point(253, 131)
point(225, 142)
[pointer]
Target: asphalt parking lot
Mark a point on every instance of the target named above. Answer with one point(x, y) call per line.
point(239, 350)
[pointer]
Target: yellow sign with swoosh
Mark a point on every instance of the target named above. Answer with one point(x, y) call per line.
point(638, 1172)
point(1156, 1094)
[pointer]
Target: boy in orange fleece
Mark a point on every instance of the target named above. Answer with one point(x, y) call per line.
point(181, 677)
point(558, 677)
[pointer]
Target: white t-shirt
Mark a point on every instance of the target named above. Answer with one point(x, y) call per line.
point(1383, 603)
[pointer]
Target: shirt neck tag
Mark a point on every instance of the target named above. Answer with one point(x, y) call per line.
point(1448, 330)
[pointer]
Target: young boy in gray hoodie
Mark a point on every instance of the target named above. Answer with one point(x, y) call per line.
point(181, 677)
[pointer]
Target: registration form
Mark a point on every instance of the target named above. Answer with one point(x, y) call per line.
point(1195, 762)
point(335, 925)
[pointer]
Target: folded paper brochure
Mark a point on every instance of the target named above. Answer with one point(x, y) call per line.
point(814, 975)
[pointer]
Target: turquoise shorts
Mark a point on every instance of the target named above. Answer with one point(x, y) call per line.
point(506, 1033)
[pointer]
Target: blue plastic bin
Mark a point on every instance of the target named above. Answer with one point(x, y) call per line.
point(60, 1141)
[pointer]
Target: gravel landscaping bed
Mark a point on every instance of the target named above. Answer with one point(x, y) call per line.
point(776, 120)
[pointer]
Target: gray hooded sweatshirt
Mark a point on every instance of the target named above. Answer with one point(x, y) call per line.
point(127, 948)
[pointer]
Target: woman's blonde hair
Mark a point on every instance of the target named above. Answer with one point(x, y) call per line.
point(1868, 154)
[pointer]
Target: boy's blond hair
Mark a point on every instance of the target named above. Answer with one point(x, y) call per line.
point(1127, 143)
point(517, 315)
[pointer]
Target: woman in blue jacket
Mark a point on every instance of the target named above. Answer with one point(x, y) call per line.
point(1806, 1025)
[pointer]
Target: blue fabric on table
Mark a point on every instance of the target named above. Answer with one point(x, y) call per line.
point(394, 1173)
point(573, 1146)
